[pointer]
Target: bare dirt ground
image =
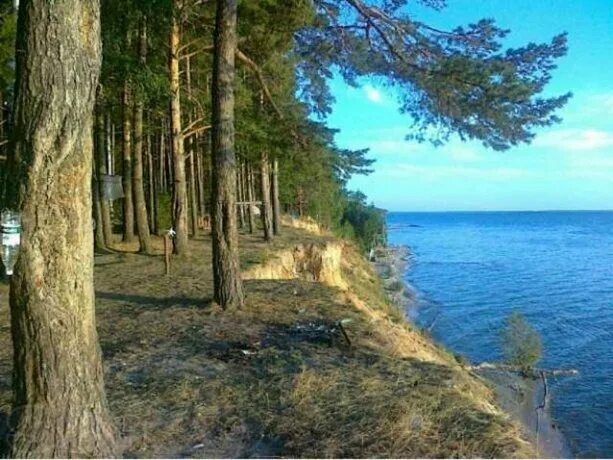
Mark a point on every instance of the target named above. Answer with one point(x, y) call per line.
point(278, 378)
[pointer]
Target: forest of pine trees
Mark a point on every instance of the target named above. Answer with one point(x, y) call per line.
point(203, 107)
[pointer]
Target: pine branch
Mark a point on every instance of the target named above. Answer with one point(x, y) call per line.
point(196, 130)
point(260, 77)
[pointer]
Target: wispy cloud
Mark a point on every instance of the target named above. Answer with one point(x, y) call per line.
point(460, 152)
point(575, 139)
point(457, 172)
point(397, 147)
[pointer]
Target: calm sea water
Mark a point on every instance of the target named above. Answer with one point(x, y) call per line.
point(472, 269)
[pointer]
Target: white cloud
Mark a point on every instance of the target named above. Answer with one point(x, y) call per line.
point(399, 147)
point(575, 139)
point(598, 104)
point(460, 152)
point(373, 94)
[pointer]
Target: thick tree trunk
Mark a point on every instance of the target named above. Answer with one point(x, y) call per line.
point(140, 204)
point(226, 267)
point(276, 206)
point(128, 199)
point(60, 408)
point(265, 191)
point(179, 190)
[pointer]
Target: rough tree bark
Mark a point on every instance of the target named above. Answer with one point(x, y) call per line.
point(60, 408)
point(140, 204)
point(128, 199)
point(226, 268)
point(179, 190)
point(265, 191)
point(276, 206)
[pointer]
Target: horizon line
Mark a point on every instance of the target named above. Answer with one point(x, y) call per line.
point(498, 210)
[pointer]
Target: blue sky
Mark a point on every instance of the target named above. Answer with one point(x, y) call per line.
point(568, 166)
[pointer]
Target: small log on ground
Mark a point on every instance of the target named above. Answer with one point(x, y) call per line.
point(534, 372)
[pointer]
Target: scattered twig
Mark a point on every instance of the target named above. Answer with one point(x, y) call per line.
point(342, 329)
point(429, 328)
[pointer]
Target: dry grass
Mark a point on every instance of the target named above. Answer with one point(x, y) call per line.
point(186, 380)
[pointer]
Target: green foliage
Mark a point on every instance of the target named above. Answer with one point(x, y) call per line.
point(451, 81)
point(458, 81)
point(521, 343)
point(367, 221)
point(163, 210)
point(8, 30)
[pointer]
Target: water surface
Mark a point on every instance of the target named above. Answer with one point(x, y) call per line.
point(472, 269)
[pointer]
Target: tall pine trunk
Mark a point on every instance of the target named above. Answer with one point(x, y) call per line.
point(101, 170)
point(265, 190)
point(99, 243)
point(200, 174)
point(241, 195)
point(151, 182)
point(179, 190)
point(193, 199)
point(276, 206)
point(128, 199)
point(226, 268)
point(250, 198)
point(140, 204)
point(60, 407)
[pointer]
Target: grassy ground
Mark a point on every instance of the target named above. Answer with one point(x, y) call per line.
point(278, 378)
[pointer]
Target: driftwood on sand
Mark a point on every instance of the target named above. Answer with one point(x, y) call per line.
point(536, 373)
point(532, 372)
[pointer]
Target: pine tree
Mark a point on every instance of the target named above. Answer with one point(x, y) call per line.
point(226, 268)
point(59, 407)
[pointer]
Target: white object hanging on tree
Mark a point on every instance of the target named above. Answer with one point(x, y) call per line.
point(10, 238)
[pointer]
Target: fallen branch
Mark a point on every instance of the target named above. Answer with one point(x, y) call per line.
point(536, 372)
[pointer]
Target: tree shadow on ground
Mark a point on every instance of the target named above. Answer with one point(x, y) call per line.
point(136, 301)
